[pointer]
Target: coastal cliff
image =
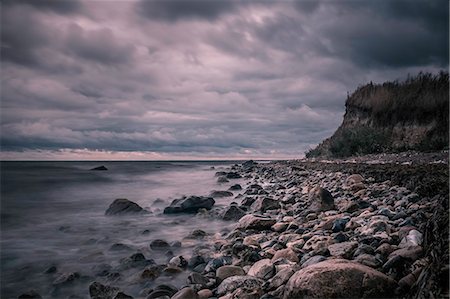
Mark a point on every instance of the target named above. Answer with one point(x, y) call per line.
point(392, 117)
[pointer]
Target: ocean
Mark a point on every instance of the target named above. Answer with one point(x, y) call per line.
point(53, 220)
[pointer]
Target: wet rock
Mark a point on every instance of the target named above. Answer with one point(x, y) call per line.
point(222, 179)
point(171, 270)
point(216, 263)
point(249, 163)
point(66, 278)
point(344, 249)
point(120, 247)
point(197, 278)
point(287, 254)
point(217, 194)
point(232, 283)
point(136, 260)
point(123, 206)
point(313, 260)
point(190, 204)
point(233, 213)
point(100, 291)
point(152, 272)
point(103, 167)
point(256, 222)
point(235, 187)
point(185, 293)
point(266, 204)
point(195, 260)
point(363, 248)
point(233, 175)
point(263, 269)
point(159, 244)
point(228, 271)
point(163, 290)
point(339, 224)
point(197, 234)
point(320, 199)
point(50, 270)
point(339, 279)
point(122, 295)
point(32, 294)
point(248, 201)
point(178, 261)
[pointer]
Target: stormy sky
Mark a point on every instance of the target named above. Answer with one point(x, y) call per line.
point(199, 79)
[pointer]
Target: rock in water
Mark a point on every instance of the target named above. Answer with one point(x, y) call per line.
point(186, 293)
point(190, 205)
point(339, 278)
point(100, 291)
point(221, 193)
point(233, 213)
point(30, 295)
point(320, 200)
point(103, 167)
point(232, 283)
point(233, 175)
point(123, 206)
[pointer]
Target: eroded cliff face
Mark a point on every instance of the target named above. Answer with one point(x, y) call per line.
point(392, 117)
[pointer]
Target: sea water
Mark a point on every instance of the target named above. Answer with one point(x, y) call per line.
point(53, 214)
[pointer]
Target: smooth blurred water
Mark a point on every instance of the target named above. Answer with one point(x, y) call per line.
point(52, 213)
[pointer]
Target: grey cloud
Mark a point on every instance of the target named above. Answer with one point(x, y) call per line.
point(176, 10)
point(98, 45)
point(58, 6)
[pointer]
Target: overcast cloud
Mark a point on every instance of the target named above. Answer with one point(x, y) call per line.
point(199, 78)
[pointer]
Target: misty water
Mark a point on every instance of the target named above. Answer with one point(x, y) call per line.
point(53, 214)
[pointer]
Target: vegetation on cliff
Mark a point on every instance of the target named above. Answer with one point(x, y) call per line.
point(393, 117)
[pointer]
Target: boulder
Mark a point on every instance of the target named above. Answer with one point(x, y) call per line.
point(233, 175)
point(159, 244)
point(228, 271)
point(216, 193)
point(280, 278)
point(100, 291)
point(123, 206)
point(320, 200)
point(287, 253)
point(232, 283)
point(354, 181)
point(235, 187)
point(222, 179)
point(163, 290)
point(190, 205)
point(344, 249)
point(233, 213)
point(263, 269)
point(339, 278)
point(256, 222)
point(266, 204)
point(185, 293)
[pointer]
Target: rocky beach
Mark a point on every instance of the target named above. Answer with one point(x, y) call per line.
point(372, 227)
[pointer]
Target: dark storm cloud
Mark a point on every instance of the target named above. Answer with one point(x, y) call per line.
point(175, 10)
point(58, 6)
point(201, 78)
point(97, 45)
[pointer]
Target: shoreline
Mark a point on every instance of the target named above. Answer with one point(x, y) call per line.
point(288, 229)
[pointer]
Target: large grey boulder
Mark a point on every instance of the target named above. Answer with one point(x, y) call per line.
point(123, 206)
point(338, 278)
point(190, 204)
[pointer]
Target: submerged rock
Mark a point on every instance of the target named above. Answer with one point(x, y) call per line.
point(103, 167)
point(100, 291)
point(30, 295)
point(339, 279)
point(122, 206)
point(221, 193)
point(190, 204)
